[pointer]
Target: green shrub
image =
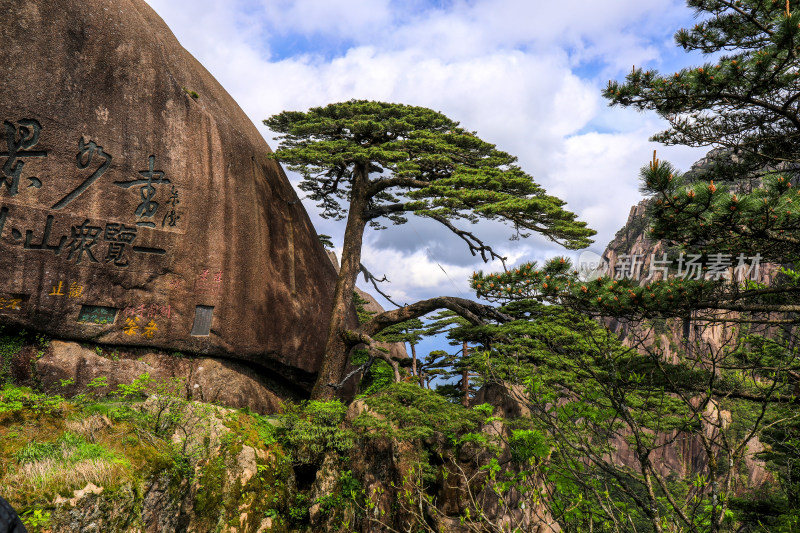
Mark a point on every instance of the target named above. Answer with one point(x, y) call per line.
point(10, 345)
point(14, 399)
point(313, 428)
point(405, 411)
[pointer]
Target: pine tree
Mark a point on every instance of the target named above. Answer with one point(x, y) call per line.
point(452, 326)
point(746, 100)
point(611, 411)
point(411, 332)
point(746, 205)
point(370, 162)
point(744, 103)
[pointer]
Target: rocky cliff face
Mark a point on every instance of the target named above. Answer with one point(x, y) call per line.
point(673, 337)
point(632, 245)
point(138, 205)
point(172, 466)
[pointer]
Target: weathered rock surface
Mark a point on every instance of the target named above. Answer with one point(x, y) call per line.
point(226, 493)
point(201, 378)
point(138, 205)
point(386, 470)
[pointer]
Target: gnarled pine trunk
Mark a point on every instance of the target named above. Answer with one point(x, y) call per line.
point(336, 350)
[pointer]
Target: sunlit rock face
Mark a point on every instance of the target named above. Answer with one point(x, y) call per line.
point(138, 205)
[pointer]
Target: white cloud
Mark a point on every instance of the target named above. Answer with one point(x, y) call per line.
point(524, 75)
point(352, 19)
point(418, 275)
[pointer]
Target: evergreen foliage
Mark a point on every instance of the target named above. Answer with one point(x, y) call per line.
point(745, 99)
point(597, 401)
point(743, 205)
point(371, 162)
point(418, 162)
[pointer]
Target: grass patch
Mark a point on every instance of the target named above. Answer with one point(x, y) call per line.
point(51, 446)
point(61, 466)
point(69, 448)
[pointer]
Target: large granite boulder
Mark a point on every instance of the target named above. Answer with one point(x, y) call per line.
point(137, 202)
point(67, 368)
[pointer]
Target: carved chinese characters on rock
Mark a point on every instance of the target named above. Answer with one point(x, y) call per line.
point(21, 139)
point(11, 304)
point(141, 319)
point(73, 290)
point(117, 239)
point(86, 153)
point(208, 281)
point(148, 311)
point(135, 326)
point(148, 207)
point(82, 202)
point(171, 218)
point(85, 242)
point(97, 314)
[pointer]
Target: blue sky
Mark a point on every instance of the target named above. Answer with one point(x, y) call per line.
point(525, 74)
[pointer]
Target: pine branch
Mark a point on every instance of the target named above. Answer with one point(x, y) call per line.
point(475, 313)
point(475, 244)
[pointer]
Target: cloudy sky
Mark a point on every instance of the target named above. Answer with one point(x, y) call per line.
point(524, 74)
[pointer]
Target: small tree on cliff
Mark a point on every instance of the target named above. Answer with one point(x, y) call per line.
point(411, 332)
point(372, 161)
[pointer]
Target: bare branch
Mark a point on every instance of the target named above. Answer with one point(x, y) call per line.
point(363, 368)
point(475, 244)
point(372, 279)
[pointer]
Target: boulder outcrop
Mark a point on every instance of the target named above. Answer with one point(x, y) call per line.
point(138, 205)
point(205, 379)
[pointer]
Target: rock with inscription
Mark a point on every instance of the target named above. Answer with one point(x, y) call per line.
point(137, 202)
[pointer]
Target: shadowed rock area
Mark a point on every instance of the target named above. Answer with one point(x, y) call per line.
point(137, 203)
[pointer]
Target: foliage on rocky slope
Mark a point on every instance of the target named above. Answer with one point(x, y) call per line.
point(142, 457)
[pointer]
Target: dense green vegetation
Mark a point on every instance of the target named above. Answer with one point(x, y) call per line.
point(692, 427)
point(125, 442)
point(611, 405)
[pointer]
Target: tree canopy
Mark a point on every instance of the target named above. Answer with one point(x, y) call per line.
point(744, 103)
point(603, 415)
point(373, 162)
point(746, 99)
point(419, 162)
